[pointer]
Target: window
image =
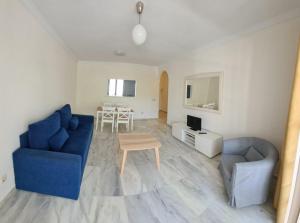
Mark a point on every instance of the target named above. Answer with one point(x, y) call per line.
point(121, 88)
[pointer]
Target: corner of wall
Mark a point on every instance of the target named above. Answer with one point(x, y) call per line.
point(32, 8)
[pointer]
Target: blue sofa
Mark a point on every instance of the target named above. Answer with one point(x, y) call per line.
point(58, 172)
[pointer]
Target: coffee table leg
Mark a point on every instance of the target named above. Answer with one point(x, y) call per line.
point(123, 161)
point(157, 158)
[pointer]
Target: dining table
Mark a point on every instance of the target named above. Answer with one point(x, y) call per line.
point(100, 111)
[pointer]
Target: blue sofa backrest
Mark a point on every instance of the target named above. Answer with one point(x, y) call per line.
point(24, 138)
point(24, 143)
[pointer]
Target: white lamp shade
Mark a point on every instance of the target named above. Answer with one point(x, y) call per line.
point(139, 34)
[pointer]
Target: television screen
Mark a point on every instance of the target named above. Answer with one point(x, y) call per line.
point(189, 121)
point(194, 123)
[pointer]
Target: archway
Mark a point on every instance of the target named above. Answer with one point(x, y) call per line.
point(163, 96)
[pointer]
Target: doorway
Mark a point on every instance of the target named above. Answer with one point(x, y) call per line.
point(163, 97)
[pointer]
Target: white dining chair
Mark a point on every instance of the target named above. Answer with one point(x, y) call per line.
point(98, 114)
point(123, 117)
point(108, 116)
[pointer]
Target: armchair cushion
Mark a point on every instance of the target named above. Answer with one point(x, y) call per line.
point(253, 155)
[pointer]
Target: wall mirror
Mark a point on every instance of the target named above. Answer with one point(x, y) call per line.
point(204, 91)
point(121, 88)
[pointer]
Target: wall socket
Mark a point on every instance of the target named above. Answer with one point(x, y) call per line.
point(4, 178)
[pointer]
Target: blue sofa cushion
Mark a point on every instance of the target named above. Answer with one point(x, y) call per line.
point(253, 155)
point(65, 115)
point(79, 143)
point(40, 132)
point(73, 124)
point(57, 141)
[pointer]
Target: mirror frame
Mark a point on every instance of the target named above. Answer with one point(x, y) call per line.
point(219, 74)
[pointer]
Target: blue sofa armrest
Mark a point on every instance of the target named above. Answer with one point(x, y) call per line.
point(48, 172)
point(84, 118)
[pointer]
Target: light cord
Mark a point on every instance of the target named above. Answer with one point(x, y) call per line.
point(139, 18)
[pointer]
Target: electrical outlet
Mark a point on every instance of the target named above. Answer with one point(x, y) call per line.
point(4, 178)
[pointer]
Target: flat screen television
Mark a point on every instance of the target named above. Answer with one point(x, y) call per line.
point(194, 123)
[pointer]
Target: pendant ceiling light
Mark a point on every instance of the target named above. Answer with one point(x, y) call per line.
point(139, 33)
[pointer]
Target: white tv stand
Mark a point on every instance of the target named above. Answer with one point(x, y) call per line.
point(210, 144)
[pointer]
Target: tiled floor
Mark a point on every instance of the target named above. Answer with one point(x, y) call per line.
point(188, 188)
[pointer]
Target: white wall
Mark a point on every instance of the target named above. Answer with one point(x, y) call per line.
point(37, 76)
point(92, 80)
point(258, 73)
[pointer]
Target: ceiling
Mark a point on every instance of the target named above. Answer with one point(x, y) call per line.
point(94, 29)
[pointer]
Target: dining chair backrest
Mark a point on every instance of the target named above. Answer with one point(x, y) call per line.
point(109, 108)
point(121, 105)
point(123, 113)
point(108, 112)
point(108, 104)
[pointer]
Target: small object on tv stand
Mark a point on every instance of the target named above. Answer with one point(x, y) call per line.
point(202, 133)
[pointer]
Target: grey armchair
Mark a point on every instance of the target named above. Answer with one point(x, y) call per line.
point(247, 166)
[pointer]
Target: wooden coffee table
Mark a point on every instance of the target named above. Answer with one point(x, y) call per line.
point(135, 142)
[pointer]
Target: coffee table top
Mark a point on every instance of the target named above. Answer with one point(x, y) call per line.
point(137, 141)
